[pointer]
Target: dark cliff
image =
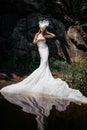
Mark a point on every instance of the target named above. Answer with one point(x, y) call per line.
point(19, 23)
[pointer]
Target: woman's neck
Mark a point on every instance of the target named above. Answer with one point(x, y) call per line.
point(42, 33)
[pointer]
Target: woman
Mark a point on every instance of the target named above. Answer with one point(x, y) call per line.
point(45, 34)
point(40, 90)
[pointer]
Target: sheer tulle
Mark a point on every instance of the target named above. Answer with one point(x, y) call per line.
point(40, 90)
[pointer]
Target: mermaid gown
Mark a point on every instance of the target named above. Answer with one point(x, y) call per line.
point(38, 92)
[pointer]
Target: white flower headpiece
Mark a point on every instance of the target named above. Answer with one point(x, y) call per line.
point(43, 24)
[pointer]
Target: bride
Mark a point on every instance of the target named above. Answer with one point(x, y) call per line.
point(40, 90)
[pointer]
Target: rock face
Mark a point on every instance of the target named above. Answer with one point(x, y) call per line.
point(25, 30)
point(78, 45)
point(18, 30)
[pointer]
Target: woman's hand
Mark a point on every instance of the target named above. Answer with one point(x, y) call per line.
point(37, 40)
point(49, 35)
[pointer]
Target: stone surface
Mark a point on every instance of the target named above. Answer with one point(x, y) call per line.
point(25, 30)
point(19, 23)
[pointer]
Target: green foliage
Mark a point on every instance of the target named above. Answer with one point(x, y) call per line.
point(84, 25)
point(74, 75)
point(56, 65)
point(20, 63)
point(79, 8)
point(79, 78)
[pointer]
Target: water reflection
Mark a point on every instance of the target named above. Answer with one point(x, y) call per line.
point(44, 107)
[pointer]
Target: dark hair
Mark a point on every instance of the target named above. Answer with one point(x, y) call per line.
point(44, 31)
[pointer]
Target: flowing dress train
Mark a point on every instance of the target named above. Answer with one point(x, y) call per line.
point(40, 90)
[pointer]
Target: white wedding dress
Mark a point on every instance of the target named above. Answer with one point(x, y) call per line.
point(40, 90)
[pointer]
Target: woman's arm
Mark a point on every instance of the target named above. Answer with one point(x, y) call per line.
point(49, 35)
point(35, 38)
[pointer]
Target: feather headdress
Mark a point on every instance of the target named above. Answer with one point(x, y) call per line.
point(43, 24)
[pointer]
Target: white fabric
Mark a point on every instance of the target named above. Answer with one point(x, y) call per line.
point(40, 90)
